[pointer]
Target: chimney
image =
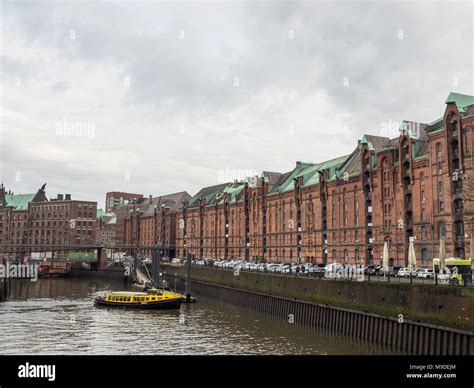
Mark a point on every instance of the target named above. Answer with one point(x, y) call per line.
point(60, 197)
point(68, 197)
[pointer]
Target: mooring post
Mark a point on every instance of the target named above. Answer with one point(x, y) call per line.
point(135, 265)
point(155, 267)
point(188, 279)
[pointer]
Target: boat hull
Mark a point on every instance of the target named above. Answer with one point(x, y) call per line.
point(158, 305)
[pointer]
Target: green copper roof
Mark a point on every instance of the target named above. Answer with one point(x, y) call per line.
point(233, 192)
point(289, 183)
point(19, 201)
point(462, 101)
point(365, 140)
point(311, 174)
point(208, 194)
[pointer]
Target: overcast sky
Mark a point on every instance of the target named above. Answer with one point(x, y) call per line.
point(159, 97)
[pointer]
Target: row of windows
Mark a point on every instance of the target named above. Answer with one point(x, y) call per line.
point(130, 299)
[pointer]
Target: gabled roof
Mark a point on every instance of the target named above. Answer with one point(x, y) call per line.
point(352, 166)
point(462, 101)
point(375, 143)
point(310, 174)
point(208, 194)
point(275, 189)
point(19, 201)
point(173, 202)
point(289, 183)
point(233, 192)
point(435, 125)
point(271, 177)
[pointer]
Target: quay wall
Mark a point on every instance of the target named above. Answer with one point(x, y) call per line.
point(99, 274)
point(417, 318)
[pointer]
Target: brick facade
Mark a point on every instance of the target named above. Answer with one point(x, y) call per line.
point(418, 186)
point(151, 224)
point(31, 220)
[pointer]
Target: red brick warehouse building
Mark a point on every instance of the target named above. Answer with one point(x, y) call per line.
point(418, 186)
point(151, 224)
point(34, 221)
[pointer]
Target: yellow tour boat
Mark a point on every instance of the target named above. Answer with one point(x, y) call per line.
point(153, 299)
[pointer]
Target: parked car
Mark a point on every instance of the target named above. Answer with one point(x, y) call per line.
point(279, 268)
point(404, 272)
point(370, 270)
point(252, 267)
point(332, 270)
point(272, 267)
point(377, 270)
point(298, 269)
point(176, 261)
point(317, 270)
point(425, 273)
point(394, 270)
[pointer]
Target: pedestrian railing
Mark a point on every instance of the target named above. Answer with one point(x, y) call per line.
point(379, 278)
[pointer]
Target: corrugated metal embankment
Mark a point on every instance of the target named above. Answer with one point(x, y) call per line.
point(395, 331)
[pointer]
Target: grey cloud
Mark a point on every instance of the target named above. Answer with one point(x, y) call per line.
point(187, 84)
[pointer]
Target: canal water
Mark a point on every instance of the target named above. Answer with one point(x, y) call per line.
point(57, 316)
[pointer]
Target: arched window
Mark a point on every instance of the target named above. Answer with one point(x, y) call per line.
point(334, 256)
point(346, 255)
point(357, 256)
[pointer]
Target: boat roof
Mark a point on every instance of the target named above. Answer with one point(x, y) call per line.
point(134, 293)
point(127, 293)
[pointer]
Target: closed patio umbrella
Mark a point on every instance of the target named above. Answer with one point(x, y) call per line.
point(385, 258)
point(442, 253)
point(411, 256)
